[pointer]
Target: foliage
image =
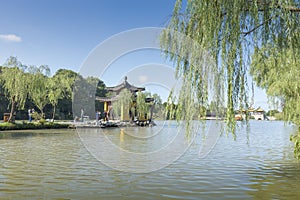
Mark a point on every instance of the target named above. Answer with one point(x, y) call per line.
point(38, 86)
point(228, 30)
point(14, 82)
point(141, 106)
point(3, 99)
point(277, 71)
point(37, 116)
point(10, 126)
point(124, 102)
point(272, 113)
point(30, 87)
point(157, 108)
point(296, 140)
point(279, 116)
point(60, 87)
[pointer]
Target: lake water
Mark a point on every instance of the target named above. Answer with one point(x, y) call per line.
point(66, 164)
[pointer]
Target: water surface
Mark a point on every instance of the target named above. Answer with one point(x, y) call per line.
point(54, 164)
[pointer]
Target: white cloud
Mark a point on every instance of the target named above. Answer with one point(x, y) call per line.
point(10, 38)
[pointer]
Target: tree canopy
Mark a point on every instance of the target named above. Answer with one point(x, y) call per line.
point(38, 87)
point(27, 87)
point(277, 71)
point(60, 87)
point(229, 31)
point(14, 82)
point(123, 104)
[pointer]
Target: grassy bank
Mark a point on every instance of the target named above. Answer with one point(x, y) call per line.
point(25, 126)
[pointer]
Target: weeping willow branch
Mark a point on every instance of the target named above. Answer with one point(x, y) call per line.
point(220, 28)
point(258, 26)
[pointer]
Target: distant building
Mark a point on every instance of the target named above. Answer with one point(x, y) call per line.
point(258, 114)
point(126, 115)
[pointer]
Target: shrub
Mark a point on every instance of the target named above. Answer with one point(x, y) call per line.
point(23, 126)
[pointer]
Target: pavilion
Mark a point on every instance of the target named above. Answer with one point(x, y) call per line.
point(257, 114)
point(116, 90)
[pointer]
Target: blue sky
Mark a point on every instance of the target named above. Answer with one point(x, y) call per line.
point(62, 33)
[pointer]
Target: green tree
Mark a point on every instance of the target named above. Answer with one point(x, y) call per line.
point(141, 105)
point(277, 71)
point(55, 93)
point(272, 113)
point(156, 109)
point(228, 30)
point(60, 87)
point(38, 86)
point(14, 82)
point(100, 92)
point(123, 104)
point(3, 99)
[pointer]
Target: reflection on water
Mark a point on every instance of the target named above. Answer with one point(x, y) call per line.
point(54, 164)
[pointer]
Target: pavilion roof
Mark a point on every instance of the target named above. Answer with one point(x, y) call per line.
point(259, 110)
point(124, 85)
point(251, 109)
point(106, 99)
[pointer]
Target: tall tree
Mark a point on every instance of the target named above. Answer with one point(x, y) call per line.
point(38, 86)
point(156, 107)
point(60, 87)
point(277, 71)
point(14, 82)
point(3, 99)
point(55, 92)
point(123, 105)
point(141, 105)
point(228, 30)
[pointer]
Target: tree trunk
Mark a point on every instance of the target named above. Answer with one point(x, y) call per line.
point(12, 110)
point(42, 114)
point(53, 114)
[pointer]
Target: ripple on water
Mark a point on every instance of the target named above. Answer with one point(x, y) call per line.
point(258, 165)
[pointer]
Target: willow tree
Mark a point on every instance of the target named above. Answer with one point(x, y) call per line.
point(141, 105)
point(278, 71)
point(55, 92)
point(228, 31)
point(60, 86)
point(14, 81)
point(156, 106)
point(123, 105)
point(38, 86)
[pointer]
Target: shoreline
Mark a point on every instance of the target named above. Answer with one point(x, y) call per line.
point(25, 125)
point(5, 126)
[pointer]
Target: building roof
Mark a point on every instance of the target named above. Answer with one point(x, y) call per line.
point(117, 89)
point(251, 109)
point(259, 109)
point(107, 99)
